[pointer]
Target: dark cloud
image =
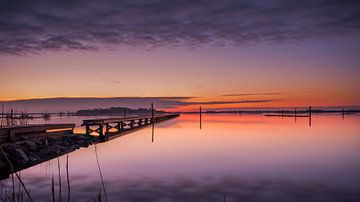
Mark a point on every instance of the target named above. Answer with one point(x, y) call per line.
point(228, 102)
point(251, 94)
point(74, 104)
point(35, 26)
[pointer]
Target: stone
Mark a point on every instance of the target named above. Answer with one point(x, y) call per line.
point(83, 143)
point(29, 145)
point(33, 157)
point(78, 137)
point(51, 150)
point(38, 143)
point(54, 139)
point(19, 154)
point(4, 168)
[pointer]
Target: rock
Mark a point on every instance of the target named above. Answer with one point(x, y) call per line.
point(54, 139)
point(38, 143)
point(78, 137)
point(4, 168)
point(19, 154)
point(29, 145)
point(44, 141)
point(83, 143)
point(33, 157)
point(51, 150)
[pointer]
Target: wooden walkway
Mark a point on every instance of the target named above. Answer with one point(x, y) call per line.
point(13, 133)
point(122, 124)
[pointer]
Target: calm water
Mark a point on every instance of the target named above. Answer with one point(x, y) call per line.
point(244, 158)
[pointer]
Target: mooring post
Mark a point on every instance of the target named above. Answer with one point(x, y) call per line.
point(107, 126)
point(295, 113)
point(11, 136)
point(200, 117)
point(101, 130)
point(87, 130)
point(2, 109)
point(310, 116)
point(152, 112)
point(118, 126)
point(343, 113)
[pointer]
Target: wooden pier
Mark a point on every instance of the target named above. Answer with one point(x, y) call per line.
point(122, 124)
point(13, 133)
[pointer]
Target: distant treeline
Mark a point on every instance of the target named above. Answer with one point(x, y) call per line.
point(115, 111)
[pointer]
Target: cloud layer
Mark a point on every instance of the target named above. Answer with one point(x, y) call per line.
point(35, 26)
point(74, 104)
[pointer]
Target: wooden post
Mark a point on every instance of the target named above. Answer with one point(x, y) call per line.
point(310, 116)
point(2, 109)
point(152, 112)
point(343, 113)
point(11, 136)
point(152, 133)
point(101, 131)
point(200, 118)
point(295, 114)
point(107, 126)
point(118, 126)
point(87, 130)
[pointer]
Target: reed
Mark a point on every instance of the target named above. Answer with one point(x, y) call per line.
point(101, 176)
point(99, 196)
point(60, 186)
point(13, 187)
point(13, 171)
point(67, 177)
point(52, 188)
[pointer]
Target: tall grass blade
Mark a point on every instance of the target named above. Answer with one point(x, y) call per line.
point(60, 186)
point(52, 188)
point(67, 177)
point(101, 176)
point(13, 171)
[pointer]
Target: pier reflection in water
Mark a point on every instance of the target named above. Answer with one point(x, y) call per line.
point(244, 158)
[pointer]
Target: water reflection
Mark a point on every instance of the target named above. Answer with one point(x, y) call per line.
point(245, 158)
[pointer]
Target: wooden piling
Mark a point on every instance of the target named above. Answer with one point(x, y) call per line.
point(200, 117)
point(152, 112)
point(2, 109)
point(310, 113)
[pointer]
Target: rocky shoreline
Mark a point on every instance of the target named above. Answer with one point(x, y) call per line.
point(28, 152)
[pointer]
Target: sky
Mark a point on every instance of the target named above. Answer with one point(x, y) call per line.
point(217, 54)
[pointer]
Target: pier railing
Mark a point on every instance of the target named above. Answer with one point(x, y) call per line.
point(122, 124)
